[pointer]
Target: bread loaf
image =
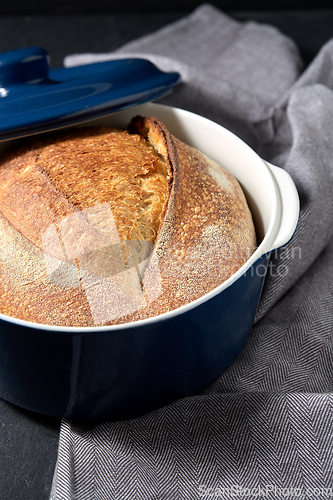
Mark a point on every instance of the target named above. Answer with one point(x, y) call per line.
point(101, 226)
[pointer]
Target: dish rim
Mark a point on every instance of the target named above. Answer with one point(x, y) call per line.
point(265, 246)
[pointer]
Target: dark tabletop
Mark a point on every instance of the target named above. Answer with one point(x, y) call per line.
point(28, 442)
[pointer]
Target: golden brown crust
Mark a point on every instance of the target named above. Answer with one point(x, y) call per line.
point(207, 233)
point(79, 217)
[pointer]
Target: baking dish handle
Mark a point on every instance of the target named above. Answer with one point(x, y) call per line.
point(289, 206)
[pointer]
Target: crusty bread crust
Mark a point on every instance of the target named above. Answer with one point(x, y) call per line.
point(104, 227)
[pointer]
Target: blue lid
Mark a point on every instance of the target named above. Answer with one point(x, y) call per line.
point(34, 98)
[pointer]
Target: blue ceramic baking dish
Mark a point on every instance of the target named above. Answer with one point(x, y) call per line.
point(123, 371)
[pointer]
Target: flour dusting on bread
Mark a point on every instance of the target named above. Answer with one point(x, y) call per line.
point(102, 226)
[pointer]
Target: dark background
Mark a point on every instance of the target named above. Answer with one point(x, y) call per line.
point(28, 442)
point(111, 6)
point(23, 24)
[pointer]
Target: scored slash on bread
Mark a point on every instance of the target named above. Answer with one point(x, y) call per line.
point(101, 226)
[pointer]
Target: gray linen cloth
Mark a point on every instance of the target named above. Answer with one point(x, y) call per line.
point(264, 429)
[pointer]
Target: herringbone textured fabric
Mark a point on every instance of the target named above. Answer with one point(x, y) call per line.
point(264, 429)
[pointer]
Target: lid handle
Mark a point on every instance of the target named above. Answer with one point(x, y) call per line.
point(17, 67)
